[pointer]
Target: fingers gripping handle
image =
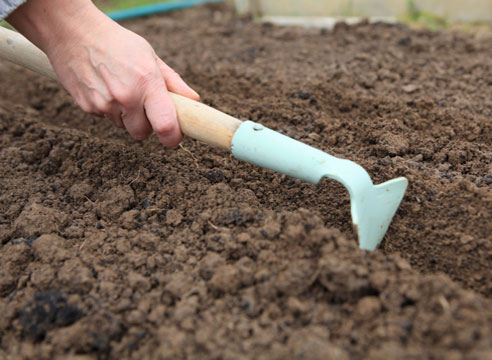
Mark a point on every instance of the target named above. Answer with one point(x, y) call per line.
point(204, 123)
point(196, 120)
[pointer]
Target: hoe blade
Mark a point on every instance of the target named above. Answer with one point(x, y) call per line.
point(373, 210)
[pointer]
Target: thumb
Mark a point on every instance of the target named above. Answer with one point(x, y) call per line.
point(161, 113)
point(174, 82)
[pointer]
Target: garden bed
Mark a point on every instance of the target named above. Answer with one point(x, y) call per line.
point(123, 249)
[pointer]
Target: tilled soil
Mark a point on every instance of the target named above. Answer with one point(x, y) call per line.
point(113, 248)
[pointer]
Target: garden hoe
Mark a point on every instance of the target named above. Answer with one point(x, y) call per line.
point(372, 206)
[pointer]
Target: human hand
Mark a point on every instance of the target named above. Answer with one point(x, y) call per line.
point(111, 71)
point(116, 73)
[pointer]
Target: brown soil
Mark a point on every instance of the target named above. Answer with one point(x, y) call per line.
point(120, 249)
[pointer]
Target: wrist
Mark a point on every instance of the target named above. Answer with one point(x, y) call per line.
point(49, 23)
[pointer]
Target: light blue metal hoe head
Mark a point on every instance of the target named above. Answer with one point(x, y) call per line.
point(372, 206)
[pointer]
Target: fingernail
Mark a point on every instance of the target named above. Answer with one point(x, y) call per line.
point(194, 92)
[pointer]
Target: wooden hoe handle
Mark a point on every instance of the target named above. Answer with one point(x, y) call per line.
point(197, 120)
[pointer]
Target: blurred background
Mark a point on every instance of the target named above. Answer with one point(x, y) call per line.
point(435, 14)
point(453, 10)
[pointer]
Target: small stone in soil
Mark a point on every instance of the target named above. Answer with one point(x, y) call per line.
point(214, 176)
point(488, 179)
point(304, 94)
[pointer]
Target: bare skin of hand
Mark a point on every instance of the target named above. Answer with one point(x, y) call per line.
point(109, 70)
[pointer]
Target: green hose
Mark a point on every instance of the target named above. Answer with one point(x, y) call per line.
point(155, 8)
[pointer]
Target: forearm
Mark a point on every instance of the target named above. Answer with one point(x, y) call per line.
point(49, 22)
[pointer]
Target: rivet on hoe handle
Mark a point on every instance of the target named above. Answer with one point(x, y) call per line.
point(372, 206)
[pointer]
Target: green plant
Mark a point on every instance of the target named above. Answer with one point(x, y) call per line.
point(413, 11)
point(348, 9)
point(417, 17)
point(6, 24)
